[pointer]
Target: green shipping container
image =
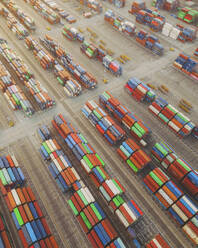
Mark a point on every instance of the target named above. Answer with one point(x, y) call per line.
point(96, 211)
point(106, 95)
point(101, 173)
point(117, 186)
point(60, 81)
point(86, 221)
point(136, 131)
point(46, 147)
point(139, 128)
point(83, 138)
point(3, 180)
point(118, 200)
point(134, 168)
point(82, 197)
point(88, 162)
point(156, 179)
point(18, 216)
point(99, 158)
point(97, 114)
point(163, 117)
point(75, 211)
point(184, 165)
point(161, 149)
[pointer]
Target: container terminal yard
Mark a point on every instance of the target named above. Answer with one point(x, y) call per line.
point(98, 123)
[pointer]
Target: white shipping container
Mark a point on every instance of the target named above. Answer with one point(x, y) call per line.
point(6, 175)
point(154, 110)
point(190, 233)
point(57, 165)
point(15, 161)
point(87, 109)
point(112, 187)
point(16, 197)
point(52, 144)
point(130, 212)
point(141, 89)
point(49, 145)
point(122, 218)
point(165, 196)
point(87, 197)
point(157, 243)
point(90, 194)
point(176, 128)
point(52, 156)
point(125, 124)
point(75, 173)
point(64, 161)
point(86, 167)
point(164, 165)
point(93, 104)
point(190, 203)
point(180, 212)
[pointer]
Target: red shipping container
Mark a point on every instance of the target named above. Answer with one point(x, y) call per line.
point(48, 243)
point(73, 199)
point(100, 129)
point(108, 190)
point(184, 209)
point(192, 188)
point(96, 238)
point(84, 227)
point(42, 244)
point(112, 204)
point(80, 202)
point(122, 155)
point(89, 217)
point(94, 179)
point(126, 214)
point(176, 173)
point(193, 227)
point(92, 241)
point(38, 209)
point(162, 241)
point(22, 238)
point(93, 215)
point(152, 185)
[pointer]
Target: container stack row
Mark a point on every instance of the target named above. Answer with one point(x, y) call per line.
point(146, 16)
point(70, 86)
point(93, 220)
point(164, 190)
point(157, 241)
point(13, 94)
point(13, 24)
point(28, 218)
point(111, 189)
point(179, 32)
point(59, 165)
point(72, 34)
point(10, 172)
point(133, 155)
point(139, 90)
point(92, 51)
point(138, 129)
point(92, 4)
point(166, 4)
point(88, 212)
point(48, 14)
point(103, 122)
point(176, 167)
point(20, 14)
point(174, 119)
point(22, 71)
point(42, 55)
point(178, 205)
point(117, 3)
point(188, 15)
point(4, 234)
point(24, 209)
point(76, 70)
point(187, 65)
point(128, 28)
